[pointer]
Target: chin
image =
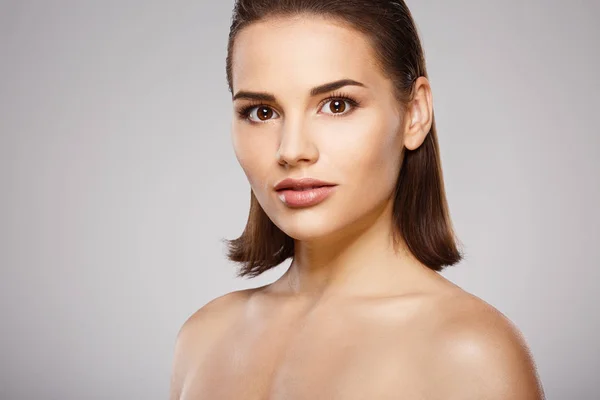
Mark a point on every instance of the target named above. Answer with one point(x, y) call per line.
point(308, 225)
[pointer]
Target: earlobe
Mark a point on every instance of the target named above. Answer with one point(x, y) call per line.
point(419, 115)
point(415, 139)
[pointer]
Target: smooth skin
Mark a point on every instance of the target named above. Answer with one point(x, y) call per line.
point(352, 317)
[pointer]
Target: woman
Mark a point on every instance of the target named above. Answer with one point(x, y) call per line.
point(334, 127)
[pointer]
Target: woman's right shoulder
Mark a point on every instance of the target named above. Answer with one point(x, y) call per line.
point(217, 312)
point(201, 330)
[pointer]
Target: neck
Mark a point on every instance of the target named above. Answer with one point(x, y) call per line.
point(360, 261)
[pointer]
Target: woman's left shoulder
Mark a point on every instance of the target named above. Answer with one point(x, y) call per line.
point(482, 350)
point(465, 318)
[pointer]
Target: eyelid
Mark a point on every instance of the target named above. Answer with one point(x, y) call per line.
point(341, 96)
point(244, 112)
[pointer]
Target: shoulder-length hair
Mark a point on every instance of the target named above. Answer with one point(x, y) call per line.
point(420, 210)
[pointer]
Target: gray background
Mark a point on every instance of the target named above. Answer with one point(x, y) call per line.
point(118, 181)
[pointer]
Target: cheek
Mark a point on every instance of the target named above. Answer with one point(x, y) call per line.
point(252, 150)
point(369, 153)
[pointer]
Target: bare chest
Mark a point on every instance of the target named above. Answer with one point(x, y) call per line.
point(322, 358)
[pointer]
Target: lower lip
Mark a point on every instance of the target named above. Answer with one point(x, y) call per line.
point(305, 198)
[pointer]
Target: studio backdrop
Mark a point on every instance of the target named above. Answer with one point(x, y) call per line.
point(118, 182)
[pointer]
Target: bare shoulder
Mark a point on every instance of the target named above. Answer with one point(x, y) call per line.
point(480, 353)
point(213, 314)
point(200, 330)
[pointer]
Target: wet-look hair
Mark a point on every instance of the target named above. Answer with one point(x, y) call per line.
point(420, 210)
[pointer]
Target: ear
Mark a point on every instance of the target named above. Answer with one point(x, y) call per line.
point(419, 114)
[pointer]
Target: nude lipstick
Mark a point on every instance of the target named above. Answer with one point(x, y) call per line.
point(305, 192)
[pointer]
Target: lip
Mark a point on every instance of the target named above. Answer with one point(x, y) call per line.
point(300, 184)
point(305, 192)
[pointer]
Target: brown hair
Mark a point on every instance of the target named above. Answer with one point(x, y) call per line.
point(420, 208)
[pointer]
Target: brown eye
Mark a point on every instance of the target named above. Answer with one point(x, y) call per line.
point(337, 106)
point(263, 113)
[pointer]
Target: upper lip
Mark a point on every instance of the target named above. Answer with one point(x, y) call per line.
point(302, 183)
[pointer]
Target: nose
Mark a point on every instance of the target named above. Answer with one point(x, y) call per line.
point(296, 145)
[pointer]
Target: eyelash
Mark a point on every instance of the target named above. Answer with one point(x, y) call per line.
point(244, 112)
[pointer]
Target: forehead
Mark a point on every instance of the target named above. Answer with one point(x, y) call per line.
point(302, 51)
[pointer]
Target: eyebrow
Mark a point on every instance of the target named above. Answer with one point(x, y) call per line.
point(327, 87)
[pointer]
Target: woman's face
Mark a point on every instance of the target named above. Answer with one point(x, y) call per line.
point(350, 136)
